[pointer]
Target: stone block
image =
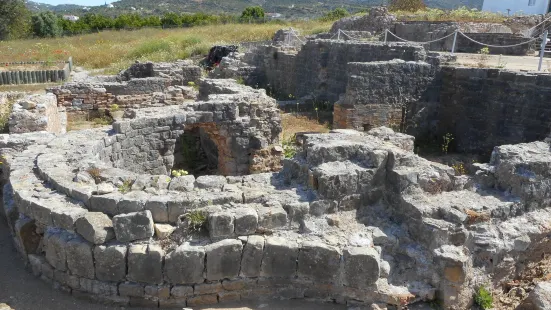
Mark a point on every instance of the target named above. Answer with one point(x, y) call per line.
point(157, 291)
point(110, 262)
point(133, 226)
point(271, 217)
point(246, 221)
point(95, 227)
point(36, 262)
point(208, 288)
point(182, 184)
point(163, 231)
point(239, 284)
point(105, 203)
point(181, 291)
point(252, 257)
point(322, 207)
point(80, 259)
point(223, 259)
point(145, 263)
point(173, 303)
point(361, 267)
point(280, 258)
point(297, 211)
point(158, 207)
point(67, 280)
point(66, 218)
point(55, 242)
point(132, 202)
point(220, 225)
point(211, 182)
point(319, 262)
point(202, 300)
point(185, 265)
point(140, 302)
point(226, 297)
point(131, 289)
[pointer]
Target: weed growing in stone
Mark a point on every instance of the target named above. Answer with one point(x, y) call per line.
point(114, 108)
point(95, 173)
point(196, 220)
point(179, 173)
point(448, 138)
point(483, 59)
point(484, 298)
point(459, 169)
point(289, 147)
point(126, 187)
point(192, 84)
point(103, 121)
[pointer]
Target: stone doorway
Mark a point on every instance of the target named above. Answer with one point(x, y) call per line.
point(196, 153)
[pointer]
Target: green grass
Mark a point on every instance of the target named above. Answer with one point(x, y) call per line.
point(462, 14)
point(484, 298)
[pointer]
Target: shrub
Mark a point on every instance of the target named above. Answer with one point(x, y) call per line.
point(407, 5)
point(179, 173)
point(290, 148)
point(484, 298)
point(95, 173)
point(46, 25)
point(114, 108)
point(336, 14)
point(196, 220)
point(125, 187)
point(253, 12)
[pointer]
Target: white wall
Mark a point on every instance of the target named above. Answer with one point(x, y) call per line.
point(516, 6)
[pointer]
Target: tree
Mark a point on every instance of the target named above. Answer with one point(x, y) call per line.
point(336, 14)
point(253, 12)
point(171, 19)
point(46, 25)
point(407, 5)
point(14, 19)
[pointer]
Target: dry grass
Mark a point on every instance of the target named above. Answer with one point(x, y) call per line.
point(292, 124)
point(28, 88)
point(115, 50)
point(462, 14)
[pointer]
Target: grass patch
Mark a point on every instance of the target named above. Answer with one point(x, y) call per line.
point(292, 124)
point(116, 50)
point(125, 187)
point(484, 298)
point(462, 14)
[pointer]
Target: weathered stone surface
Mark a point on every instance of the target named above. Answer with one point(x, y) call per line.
point(185, 265)
point(210, 182)
point(158, 207)
point(95, 227)
point(271, 217)
point(133, 226)
point(163, 231)
point(252, 257)
point(110, 262)
point(145, 263)
point(80, 260)
point(319, 262)
point(223, 259)
point(361, 267)
point(181, 291)
point(221, 225)
point(55, 242)
point(25, 231)
point(182, 184)
point(538, 299)
point(246, 221)
point(131, 289)
point(280, 258)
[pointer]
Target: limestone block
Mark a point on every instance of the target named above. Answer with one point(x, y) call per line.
point(361, 267)
point(131, 289)
point(223, 259)
point(539, 298)
point(95, 227)
point(110, 262)
point(105, 203)
point(132, 202)
point(157, 205)
point(280, 258)
point(221, 225)
point(322, 207)
point(297, 211)
point(271, 217)
point(80, 260)
point(66, 218)
point(185, 265)
point(163, 231)
point(319, 262)
point(208, 288)
point(145, 263)
point(181, 291)
point(67, 280)
point(157, 291)
point(182, 184)
point(252, 257)
point(246, 221)
point(133, 226)
point(211, 182)
point(55, 242)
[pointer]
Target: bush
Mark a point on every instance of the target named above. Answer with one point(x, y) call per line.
point(484, 298)
point(253, 12)
point(407, 5)
point(148, 48)
point(14, 19)
point(46, 25)
point(336, 14)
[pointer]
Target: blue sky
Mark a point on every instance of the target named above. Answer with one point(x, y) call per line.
point(80, 2)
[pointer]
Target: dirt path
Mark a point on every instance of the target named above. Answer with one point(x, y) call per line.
point(22, 291)
point(525, 63)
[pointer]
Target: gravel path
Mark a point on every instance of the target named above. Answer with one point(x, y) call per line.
point(22, 291)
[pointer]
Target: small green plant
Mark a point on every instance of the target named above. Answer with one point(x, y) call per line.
point(459, 169)
point(484, 52)
point(126, 187)
point(448, 138)
point(196, 220)
point(103, 121)
point(290, 148)
point(484, 298)
point(240, 80)
point(114, 108)
point(179, 173)
point(193, 84)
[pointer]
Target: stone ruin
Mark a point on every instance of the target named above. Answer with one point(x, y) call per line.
point(355, 217)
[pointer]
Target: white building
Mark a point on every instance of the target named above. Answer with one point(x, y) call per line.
point(512, 7)
point(72, 18)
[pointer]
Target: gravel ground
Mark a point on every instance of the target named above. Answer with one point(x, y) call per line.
point(518, 63)
point(22, 291)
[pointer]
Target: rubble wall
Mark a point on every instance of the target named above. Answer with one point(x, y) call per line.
point(38, 113)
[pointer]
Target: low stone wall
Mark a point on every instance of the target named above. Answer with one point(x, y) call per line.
point(465, 45)
point(180, 73)
point(38, 113)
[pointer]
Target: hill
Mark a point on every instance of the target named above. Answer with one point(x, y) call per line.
point(288, 8)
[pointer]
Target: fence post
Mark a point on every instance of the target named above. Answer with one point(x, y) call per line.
point(542, 52)
point(386, 35)
point(454, 41)
point(339, 35)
